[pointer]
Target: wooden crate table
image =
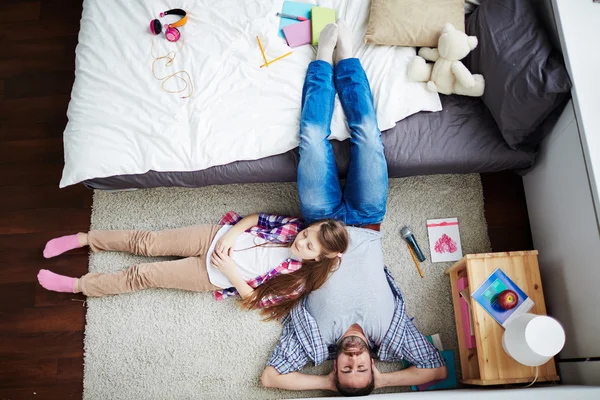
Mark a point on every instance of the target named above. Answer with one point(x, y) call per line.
point(488, 363)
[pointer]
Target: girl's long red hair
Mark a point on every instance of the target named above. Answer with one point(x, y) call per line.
point(333, 238)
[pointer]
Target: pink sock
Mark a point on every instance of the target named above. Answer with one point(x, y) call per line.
point(57, 283)
point(60, 245)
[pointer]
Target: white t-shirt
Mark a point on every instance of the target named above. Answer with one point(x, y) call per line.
point(255, 261)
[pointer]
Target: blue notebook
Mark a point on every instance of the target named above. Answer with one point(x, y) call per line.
point(486, 295)
point(448, 355)
point(449, 383)
point(294, 8)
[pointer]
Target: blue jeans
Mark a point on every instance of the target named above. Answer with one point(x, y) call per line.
point(363, 199)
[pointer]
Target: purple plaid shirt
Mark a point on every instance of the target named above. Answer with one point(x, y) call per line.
point(276, 229)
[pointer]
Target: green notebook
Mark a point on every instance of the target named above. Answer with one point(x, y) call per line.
point(320, 17)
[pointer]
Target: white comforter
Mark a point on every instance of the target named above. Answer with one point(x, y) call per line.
point(122, 122)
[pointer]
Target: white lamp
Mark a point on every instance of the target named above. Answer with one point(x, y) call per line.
point(532, 339)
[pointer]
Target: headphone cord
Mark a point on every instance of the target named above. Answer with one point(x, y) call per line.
point(177, 75)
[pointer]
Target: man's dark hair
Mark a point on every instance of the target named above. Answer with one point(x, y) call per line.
point(355, 392)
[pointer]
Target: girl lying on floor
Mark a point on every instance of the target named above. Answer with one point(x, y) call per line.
point(269, 260)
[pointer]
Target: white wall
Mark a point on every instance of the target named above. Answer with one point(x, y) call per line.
point(544, 393)
point(580, 373)
point(563, 195)
point(565, 232)
point(577, 22)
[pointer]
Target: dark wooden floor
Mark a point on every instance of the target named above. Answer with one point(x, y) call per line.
point(41, 333)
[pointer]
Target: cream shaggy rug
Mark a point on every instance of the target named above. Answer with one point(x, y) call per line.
point(167, 344)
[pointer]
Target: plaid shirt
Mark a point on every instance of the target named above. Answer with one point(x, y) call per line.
point(276, 229)
point(301, 341)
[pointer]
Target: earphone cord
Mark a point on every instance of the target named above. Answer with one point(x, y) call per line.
point(171, 56)
point(264, 244)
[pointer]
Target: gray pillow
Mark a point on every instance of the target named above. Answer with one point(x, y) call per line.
point(525, 78)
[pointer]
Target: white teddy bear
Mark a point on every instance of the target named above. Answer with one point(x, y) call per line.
point(448, 75)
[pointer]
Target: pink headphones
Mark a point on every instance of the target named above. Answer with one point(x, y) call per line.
point(171, 32)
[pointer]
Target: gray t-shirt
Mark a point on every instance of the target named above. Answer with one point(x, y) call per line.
point(356, 293)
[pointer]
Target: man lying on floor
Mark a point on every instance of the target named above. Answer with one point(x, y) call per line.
point(359, 312)
point(359, 309)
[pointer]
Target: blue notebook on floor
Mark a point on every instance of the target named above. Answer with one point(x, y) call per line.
point(296, 9)
point(449, 383)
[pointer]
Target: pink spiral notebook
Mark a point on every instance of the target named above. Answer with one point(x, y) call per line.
point(298, 34)
point(444, 240)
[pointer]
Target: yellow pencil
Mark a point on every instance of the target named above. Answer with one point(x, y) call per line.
point(278, 58)
point(412, 253)
point(262, 50)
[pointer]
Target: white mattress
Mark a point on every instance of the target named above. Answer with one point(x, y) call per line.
point(122, 122)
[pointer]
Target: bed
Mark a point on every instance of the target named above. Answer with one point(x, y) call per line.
point(122, 122)
point(461, 139)
point(241, 123)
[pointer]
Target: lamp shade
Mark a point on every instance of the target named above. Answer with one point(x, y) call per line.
point(532, 339)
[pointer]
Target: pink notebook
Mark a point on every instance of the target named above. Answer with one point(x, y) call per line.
point(298, 34)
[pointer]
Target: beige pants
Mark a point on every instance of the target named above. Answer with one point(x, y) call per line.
point(188, 273)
